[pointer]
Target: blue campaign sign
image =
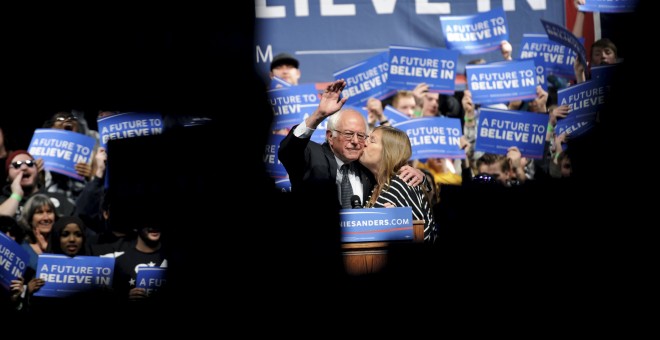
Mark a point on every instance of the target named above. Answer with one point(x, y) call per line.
point(326, 36)
point(585, 97)
point(151, 278)
point(410, 66)
point(284, 185)
point(433, 137)
point(365, 79)
point(478, 33)
point(576, 125)
point(13, 261)
point(558, 57)
point(65, 275)
point(291, 104)
point(273, 165)
point(498, 130)
point(609, 6)
point(376, 224)
point(129, 125)
point(605, 73)
point(540, 66)
point(276, 83)
point(502, 81)
point(541, 73)
point(563, 36)
point(61, 150)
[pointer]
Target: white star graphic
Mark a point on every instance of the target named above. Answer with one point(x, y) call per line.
point(131, 282)
point(151, 264)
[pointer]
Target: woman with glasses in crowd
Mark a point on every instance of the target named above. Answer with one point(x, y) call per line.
point(23, 182)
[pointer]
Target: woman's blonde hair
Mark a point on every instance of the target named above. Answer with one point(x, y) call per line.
point(395, 153)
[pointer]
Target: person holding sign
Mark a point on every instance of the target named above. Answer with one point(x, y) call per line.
point(436, 105)
point(430, 104)
point(38, 220)
point(146, 252)
point(603, 51)
point(386, 152)
point(375, 113)
point(564, 163)
point(311, 166)
point(56, 182)
point(88, 203)
point(23, 183)
point(11, 302)
point(404, 101)
point(69, 236)
point(285, 67)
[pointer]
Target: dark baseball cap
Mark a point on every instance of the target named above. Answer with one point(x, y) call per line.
point(284, 58)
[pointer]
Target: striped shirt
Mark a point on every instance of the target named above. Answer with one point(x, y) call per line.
point(400, 194)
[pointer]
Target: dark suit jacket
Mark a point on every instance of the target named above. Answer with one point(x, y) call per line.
point(311, 165)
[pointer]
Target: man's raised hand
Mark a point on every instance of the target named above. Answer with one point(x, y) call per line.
point(330, 103)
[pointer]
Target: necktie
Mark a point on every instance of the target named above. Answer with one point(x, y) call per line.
point(346, 189)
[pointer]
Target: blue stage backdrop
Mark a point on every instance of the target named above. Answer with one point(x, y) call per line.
point(329, 35)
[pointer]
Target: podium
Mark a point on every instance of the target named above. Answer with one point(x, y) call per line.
point(371, 257)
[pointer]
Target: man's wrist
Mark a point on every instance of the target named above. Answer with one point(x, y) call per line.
point(314, 120)
point(16, 196)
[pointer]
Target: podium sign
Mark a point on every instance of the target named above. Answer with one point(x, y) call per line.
point(376, 224)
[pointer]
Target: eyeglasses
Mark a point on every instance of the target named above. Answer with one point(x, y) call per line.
point(29, 163)
point(65, 119)
point(348, 135)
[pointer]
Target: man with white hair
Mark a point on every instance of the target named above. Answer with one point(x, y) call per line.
point(310, 164)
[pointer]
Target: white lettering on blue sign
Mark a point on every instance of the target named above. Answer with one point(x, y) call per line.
point(329, 8)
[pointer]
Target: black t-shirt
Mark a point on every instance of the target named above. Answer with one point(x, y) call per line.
point(128, 262)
